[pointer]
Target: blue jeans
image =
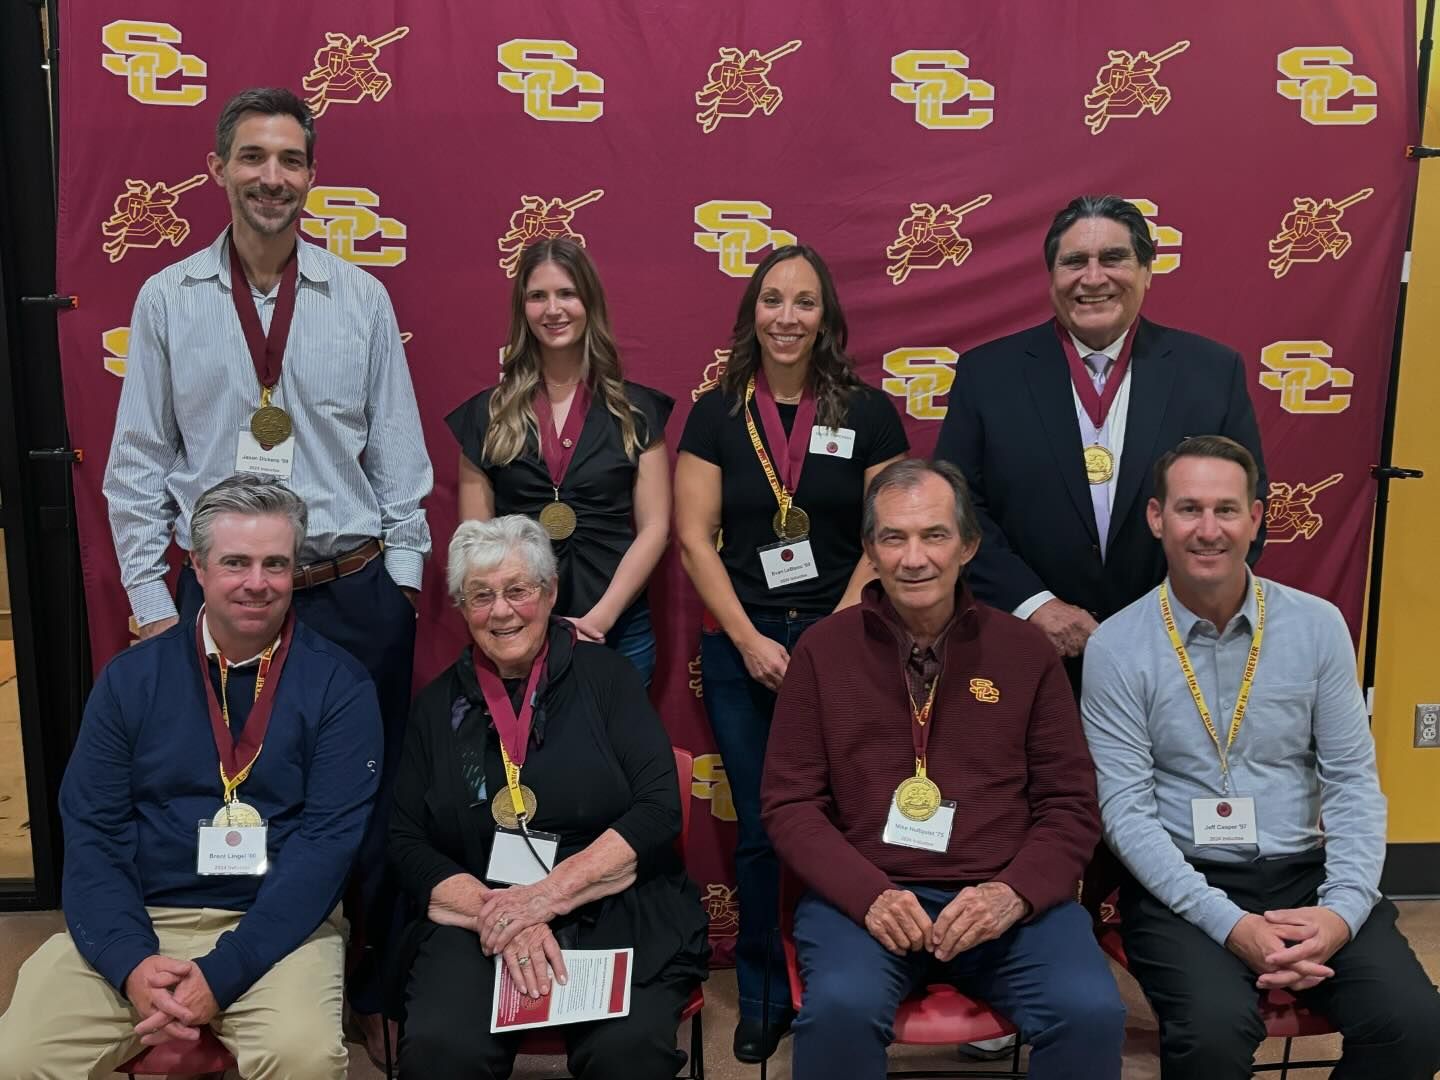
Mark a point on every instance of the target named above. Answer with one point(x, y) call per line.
point(633, 637)
point(1048, 977)
point(740, 710)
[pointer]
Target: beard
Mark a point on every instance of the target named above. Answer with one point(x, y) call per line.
point(264, 224)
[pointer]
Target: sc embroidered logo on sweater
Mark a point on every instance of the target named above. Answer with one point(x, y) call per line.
point(985, 690)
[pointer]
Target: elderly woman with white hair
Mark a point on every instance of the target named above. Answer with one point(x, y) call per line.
point(536, 808)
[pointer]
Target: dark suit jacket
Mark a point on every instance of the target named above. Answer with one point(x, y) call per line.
point(1012, 430)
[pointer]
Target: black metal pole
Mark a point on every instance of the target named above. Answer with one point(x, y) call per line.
point(1385, 470)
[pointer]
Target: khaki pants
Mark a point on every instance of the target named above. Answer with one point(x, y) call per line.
point(67, 1023)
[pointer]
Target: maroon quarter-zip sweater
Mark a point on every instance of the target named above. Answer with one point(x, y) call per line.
point(1005, 744)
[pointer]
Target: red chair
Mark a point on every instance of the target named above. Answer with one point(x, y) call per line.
point(551, 1042)
point(205, 1056)
point(1285, 1016)
point(939, 1015)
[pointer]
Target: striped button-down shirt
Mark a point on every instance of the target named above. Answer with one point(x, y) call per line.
point(190, 387)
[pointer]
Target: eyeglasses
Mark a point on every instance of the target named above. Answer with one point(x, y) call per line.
point(522, 592)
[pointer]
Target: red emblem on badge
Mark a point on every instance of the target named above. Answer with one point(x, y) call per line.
point(787, 555)
point(832, 448)
point(232, 838)
point(1223, 809)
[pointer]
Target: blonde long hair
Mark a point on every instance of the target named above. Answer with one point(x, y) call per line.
point(512, 417)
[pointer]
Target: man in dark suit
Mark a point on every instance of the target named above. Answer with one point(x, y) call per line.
point(1057, 429)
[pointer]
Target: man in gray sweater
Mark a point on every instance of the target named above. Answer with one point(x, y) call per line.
point(1224, 718)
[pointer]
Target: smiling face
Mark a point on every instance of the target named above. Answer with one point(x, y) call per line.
point(1206, 525)
point(247, 579)
point(1097, 284)
point(917, 549)
point(508, 612)
point(267, 175)
point(553, 309)
point(788, 313)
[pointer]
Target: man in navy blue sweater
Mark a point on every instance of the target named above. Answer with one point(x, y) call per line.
point(222, 781)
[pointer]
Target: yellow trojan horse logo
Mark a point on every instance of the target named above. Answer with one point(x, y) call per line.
point(345, 71)
point(738, 84)
point(344, 217)
point(722, 907)
point(1311, 231)
point(711, 379)
point(540, 219)
point(144, 53)
point(1317, 77)
point(1125, 87)
point(930, 238)
point(539, 71)
point(144, 216)
point(1290, 512)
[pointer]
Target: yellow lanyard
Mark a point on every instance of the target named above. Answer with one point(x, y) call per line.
point(512, 781)
point(1242, 699)
point(231, 783)
point(782, 497)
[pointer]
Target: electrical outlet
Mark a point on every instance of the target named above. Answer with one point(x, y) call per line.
point(1427, 725)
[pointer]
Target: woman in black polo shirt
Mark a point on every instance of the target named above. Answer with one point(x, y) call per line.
point(565, 439)
point(772, 472)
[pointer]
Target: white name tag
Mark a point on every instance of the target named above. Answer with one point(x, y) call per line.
point(832, 442)
point(1224, 821)
point(251, 457)
point(930, 835)
point(513, 863)
point(231, 849)
point(785, 564)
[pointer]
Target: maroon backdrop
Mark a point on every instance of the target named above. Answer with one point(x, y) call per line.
point(922, 148)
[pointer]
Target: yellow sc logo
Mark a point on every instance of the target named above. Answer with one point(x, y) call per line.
point(116, 343)
point(1164, 236)
point(736, 230)
point(920, 376)
point(931, 79)
point(342, 217)
point(1296, 368)
point(540, 71)
point(710, 783)
point(144, 53)
point(1317, 76)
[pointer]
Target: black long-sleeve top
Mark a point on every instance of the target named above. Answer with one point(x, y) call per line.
point(598, 759)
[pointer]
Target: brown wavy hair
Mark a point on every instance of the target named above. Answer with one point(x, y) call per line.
point(832, 371)
point(512, 417)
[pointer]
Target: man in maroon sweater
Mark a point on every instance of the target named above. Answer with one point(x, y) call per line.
point(928, 781)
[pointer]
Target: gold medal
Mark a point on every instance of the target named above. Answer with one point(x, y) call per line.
point(270, 425)
point(1099, 464)
point(502, 807)
point(236, 814)
point(917, 798)
point(557, 519)
point(796, 524)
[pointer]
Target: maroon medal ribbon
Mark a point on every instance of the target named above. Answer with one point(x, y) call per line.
point(1097, 405)
point(787, 453)
point(267, 353)
point(236, 757)
point(559, 449)
point(512, 727)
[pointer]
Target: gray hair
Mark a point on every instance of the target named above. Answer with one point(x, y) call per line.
point(908, 474)
point(267, 101)
point(245, 494)
point(1102, 206)
point(484, 545)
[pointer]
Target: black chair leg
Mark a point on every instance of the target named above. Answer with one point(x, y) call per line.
point(697, 1047)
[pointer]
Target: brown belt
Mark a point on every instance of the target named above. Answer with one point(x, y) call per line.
point(326, 570)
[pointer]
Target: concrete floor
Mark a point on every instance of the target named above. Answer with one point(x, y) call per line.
point(21, 934)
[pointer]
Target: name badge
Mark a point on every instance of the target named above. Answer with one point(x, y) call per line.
point(932, 834)
point(512, 862)
point(251, 457)
point(833, 442)
point(1224, 821)
point(228, 850)
point(786, 563)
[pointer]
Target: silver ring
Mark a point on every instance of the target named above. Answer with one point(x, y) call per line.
point(522, 961)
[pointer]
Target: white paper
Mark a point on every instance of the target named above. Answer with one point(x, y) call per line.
point(512, 862)
point(251, 457)
point(832, 442)
point(785, 564)
point(932, 834)
point(230, 849)
point(597, 988)
point(1224, 821)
